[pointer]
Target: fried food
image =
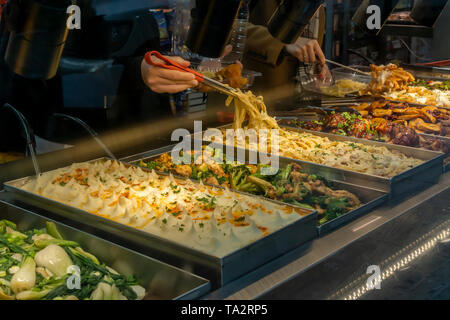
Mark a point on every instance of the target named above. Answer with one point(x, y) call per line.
point(387, 79)
point(381, 112)
point(428, 119)
point(231, 75)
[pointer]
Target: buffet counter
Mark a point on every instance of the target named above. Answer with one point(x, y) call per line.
point(334, 266)
point(399, 213)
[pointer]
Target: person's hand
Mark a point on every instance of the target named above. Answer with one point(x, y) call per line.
point(306, 50)
point(324, 75)
point(162, 80)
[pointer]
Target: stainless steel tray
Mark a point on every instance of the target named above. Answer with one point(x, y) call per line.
point(152, 274)
point(418, 178)
point(370, 197)
point(311, 117)
point(220, 270)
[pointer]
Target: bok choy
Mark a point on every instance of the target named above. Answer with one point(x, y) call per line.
point(39, 264)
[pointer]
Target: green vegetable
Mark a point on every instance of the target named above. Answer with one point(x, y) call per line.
point(6, 223)
point(335, 208)
point(25, 278)
point(55, 259)
point(42, 243)
point(88, 266)
point(86, 254)
point(14, 236)
point(26, 283)
point(283, 174)
point(268, 171)
point(53, 230)
point(11, 246)
point(238, 175)
point(42, 291)
point(265, 185)
point(203, 167)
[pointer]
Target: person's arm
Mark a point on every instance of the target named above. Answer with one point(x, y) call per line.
point(263, 47)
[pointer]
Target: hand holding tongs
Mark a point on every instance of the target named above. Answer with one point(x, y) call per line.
point(172, 65)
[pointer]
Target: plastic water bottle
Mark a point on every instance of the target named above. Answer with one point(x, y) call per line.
point(239, 34)
point(181, 28)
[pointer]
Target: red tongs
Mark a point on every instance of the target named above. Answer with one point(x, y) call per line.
point(172, 65)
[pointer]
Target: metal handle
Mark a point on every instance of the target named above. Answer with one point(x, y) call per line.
point(31, 142)
point(91, 131)
point(347, 67)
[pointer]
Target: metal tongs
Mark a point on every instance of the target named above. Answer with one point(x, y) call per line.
point(172, 65)
point(347, 67)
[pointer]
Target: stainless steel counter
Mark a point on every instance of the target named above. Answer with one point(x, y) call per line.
point(319, 269)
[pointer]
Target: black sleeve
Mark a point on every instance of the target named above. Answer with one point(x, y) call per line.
point(132, 78)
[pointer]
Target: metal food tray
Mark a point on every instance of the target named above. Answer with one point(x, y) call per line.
point(370, 99)
point(311, 117)
point(152, 274)
point(413, 180)
point(370, 198)
point(220, 270)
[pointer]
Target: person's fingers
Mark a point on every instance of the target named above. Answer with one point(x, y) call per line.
point(240, 64)
point(300, 56)
point(170, 88)
point(178, 60)
point(304, 55)
point(226, 51)
point(181, 61)
point(163, 81)
point(174, 75)
point(319, 53)
point(311, 54)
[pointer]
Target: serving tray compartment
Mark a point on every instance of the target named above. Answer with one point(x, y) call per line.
point(371, 198)
point(152, 274)
point(220, 270)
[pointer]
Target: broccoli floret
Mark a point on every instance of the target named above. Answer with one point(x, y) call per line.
point(335, 208)
point(269, 172)
point(239, 180)
point(282, 177)
point(238, 175)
